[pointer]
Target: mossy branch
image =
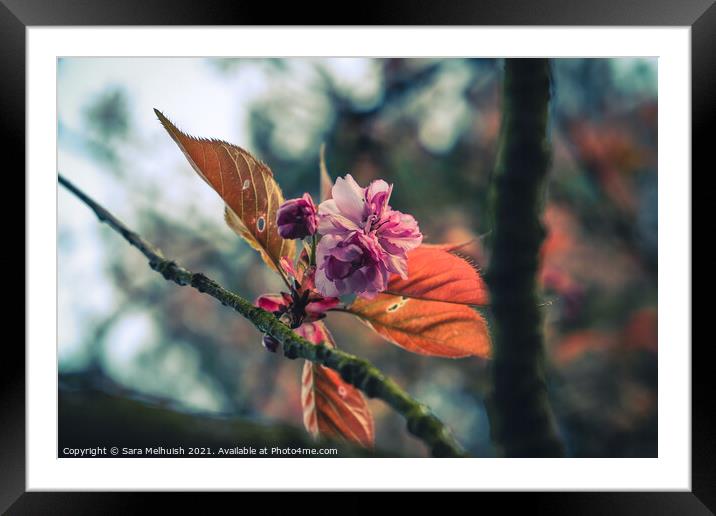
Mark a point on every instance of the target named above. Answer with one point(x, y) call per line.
point(421, 422)
point(522, 422)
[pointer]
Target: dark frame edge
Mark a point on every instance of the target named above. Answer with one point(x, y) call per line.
point(702, 499)
point(703, 107)
point(12, 366)
point(385, 12)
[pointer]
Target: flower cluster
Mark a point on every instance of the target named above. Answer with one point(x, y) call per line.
point(363, 240)
point(302, 306)
point(357, 242)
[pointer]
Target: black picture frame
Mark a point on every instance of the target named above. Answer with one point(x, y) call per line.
point(17, 15)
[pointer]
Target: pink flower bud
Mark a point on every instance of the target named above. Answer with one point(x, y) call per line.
point(270, 343)
point(297, 218)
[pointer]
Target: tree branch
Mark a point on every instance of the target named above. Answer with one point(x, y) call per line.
point(421, 422)
point(522, 418)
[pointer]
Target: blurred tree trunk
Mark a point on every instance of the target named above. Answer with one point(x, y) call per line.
point(521, 416)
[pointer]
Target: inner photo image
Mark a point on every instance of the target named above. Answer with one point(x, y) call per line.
point(357, 257)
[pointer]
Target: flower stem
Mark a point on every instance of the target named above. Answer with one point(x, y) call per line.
point(313, 249)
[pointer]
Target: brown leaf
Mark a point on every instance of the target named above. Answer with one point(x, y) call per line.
point(246, 185)
point(426, 327)
point(332, 407)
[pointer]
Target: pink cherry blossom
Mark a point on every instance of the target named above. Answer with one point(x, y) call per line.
point(364, 239)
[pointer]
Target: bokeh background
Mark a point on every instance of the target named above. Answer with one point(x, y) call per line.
point(428, 126)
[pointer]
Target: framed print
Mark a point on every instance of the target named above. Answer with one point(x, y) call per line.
point(422, 252)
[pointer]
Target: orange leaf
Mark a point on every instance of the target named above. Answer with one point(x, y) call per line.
point(426, 327)
point(436, 274)
point(246, 185)
point(332, 407)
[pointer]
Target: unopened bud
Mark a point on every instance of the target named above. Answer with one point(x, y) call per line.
point(270, 343)
point(296, 218)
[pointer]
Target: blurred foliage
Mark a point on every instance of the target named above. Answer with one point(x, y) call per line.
point(430, 126)
point(93, 409)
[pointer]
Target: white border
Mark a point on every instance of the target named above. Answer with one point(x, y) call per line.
point(670, 471)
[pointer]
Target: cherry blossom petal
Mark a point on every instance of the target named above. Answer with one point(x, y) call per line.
point(349, 198)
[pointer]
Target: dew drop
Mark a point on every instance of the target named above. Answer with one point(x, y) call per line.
point(261, 224)
point(246, 185)
point(342, 391)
